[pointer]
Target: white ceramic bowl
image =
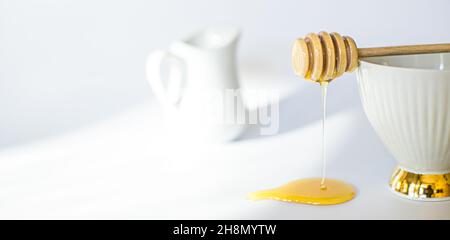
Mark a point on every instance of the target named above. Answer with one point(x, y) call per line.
point(407, 101)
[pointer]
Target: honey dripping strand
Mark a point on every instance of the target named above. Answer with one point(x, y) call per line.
point(324, 86)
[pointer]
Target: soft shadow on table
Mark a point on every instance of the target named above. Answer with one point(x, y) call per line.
point(304, 106)
point(36, 118)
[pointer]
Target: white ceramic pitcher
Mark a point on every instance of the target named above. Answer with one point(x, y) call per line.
point(201, 70)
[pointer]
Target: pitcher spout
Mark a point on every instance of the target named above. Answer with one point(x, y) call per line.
point(214, 38)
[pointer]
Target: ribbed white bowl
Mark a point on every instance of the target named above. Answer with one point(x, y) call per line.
point(407, 101)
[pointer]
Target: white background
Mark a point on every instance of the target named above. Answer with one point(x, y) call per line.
point(79, 129)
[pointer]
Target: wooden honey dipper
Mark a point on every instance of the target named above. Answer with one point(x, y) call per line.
point(325, 56)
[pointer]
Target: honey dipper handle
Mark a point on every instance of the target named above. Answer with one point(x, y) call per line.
point(403, 50)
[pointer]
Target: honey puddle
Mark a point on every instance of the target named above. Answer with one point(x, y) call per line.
point(308, 191)
point(315, 191)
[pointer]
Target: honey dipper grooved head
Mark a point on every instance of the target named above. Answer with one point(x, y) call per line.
point(324, 56)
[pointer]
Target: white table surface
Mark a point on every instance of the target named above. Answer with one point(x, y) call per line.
point(124, 167)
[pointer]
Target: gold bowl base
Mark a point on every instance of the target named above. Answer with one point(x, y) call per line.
point(421, 187)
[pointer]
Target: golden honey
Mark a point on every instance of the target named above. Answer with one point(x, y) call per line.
point(309, 191)
point(314, 191)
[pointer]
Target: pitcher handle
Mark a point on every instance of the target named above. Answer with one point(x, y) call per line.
point(169, 95)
